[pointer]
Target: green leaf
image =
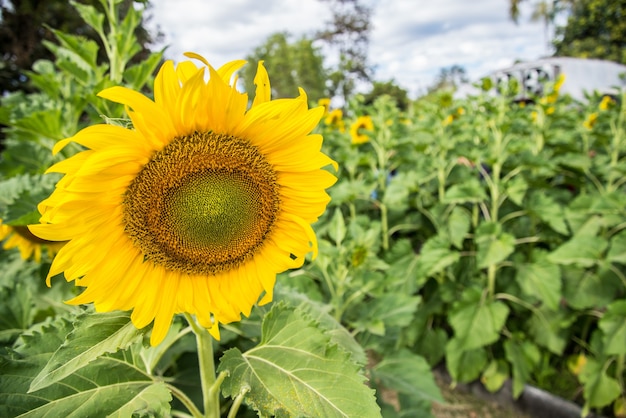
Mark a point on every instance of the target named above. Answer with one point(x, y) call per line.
point(138, 75)
point(78, 50)
point(589, 288)
point(90, 15)
point(550, 329)
point(516, 190)
point(548, 210)
point(617, 252)
point(407, 373)
point(524, 356)
point(494, 246)
point(464, 365)
point(319, 312)
point(585, 248)
point(541, 279)
point(397, 191)
point(459, 224)
point(127, 45)
point(106, 386)
point(469, 191)
point(295, 371)
point(394, 309)
point(93, 335)
point(599, 389)
point(613, 326)
point(477, 321)
point(16, 311)
point(494, 376)
point(337, 227)
point(435, 256)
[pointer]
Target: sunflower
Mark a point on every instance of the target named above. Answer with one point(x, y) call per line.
point(28, 245)
point(363, 122)
point(334, 119)
point(325, 102)
point(195, 209)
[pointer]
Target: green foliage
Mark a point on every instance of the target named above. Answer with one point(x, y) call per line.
point(594, 29)
point(293, 371)
point(501, 223)
point(299, 63)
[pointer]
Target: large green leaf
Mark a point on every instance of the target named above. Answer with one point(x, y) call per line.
point(407, 373)
point(435, 256)
point(93, 335)
point(613, 325)
point(90, 15)
point(337, 227)
point(320, 312)
point(550, 329)
point(469, 191)
point(16, 311)
point(494, 245)
point(617, 252)
point(464, 365)
point(541, 279)
point(599, 388)
point(585, 248)
point(476, 320)
point(524, 356)
point(138, 75)
point(459, 223)
point(296, 371)
point(109, 385)
point(548, 210)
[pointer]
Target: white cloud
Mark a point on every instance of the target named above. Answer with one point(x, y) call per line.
point(410, 42)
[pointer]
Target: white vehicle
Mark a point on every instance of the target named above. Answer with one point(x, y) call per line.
point(581, 75)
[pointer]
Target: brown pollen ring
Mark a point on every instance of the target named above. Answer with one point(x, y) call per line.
point(204, 204)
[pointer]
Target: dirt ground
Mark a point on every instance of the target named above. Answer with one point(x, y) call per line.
point(463, 404)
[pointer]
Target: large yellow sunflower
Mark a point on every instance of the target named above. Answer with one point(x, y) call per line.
point(195, 209)
point(28, 245)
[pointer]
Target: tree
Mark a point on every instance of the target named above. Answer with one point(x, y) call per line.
point(449, 78)
point(295, 64)
point(594, 29)
point(24, 25)
point(389, 88)
point(348, 31)
point(545, 11)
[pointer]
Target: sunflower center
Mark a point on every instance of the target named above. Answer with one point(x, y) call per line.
point(203, 204)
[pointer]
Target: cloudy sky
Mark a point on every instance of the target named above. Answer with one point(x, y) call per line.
point(410, 42)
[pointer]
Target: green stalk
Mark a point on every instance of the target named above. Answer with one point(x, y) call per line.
point(210, 396)
point(237, 403)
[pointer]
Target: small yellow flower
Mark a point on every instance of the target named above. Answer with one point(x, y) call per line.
point(552, 97)
point(590, 121)
point(448, 120)
point(325, 103)
point(460, 111)
point(28, 245)
point(559, 82)
point(550, 110)
point(606, 103)
point(335, 119)
point(576, 363)
point(365, 123)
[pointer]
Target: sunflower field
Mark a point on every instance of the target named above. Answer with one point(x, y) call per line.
point(483, 235)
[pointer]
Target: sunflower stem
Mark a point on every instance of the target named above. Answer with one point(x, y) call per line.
point(237, 402)
point(204, 341)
